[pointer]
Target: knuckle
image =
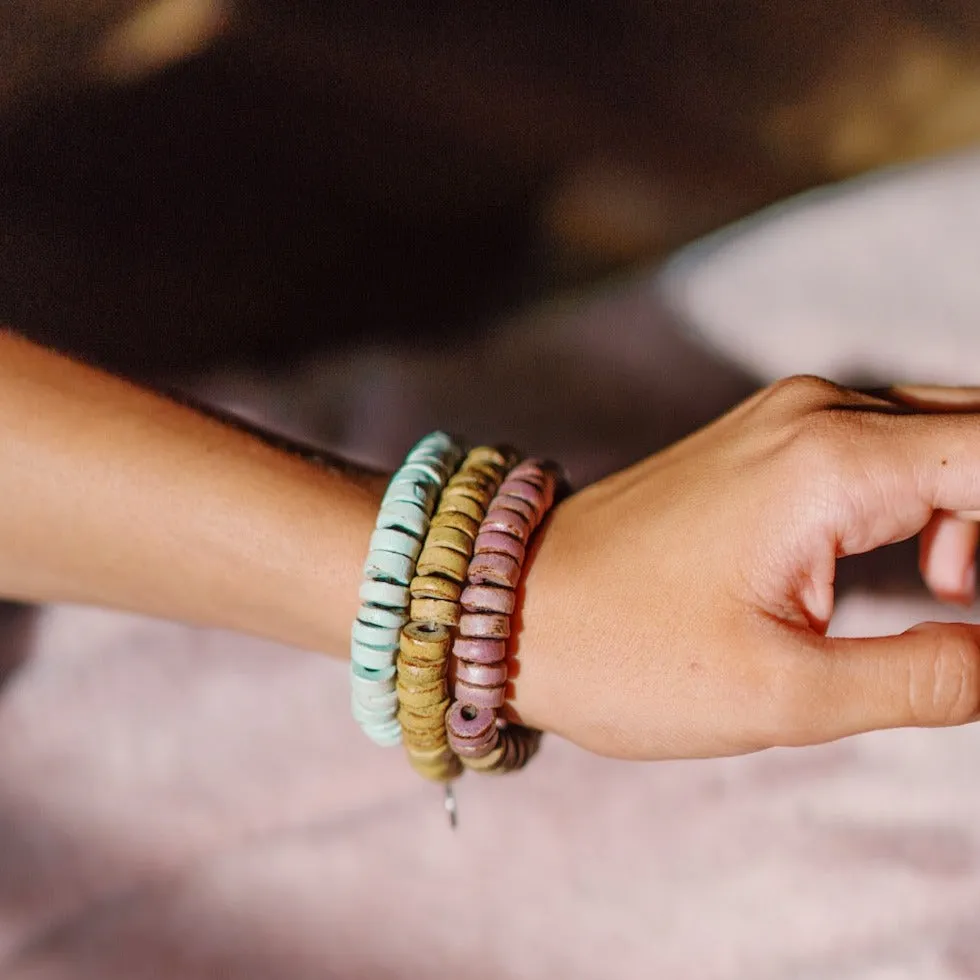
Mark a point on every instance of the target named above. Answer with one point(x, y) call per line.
point(803, 392)
point(823, 442)
point(944, 688)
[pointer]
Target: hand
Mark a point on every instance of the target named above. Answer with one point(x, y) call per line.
point(679, 608)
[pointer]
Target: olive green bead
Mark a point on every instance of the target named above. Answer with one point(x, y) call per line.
point(435, 611)
point(442, 561)
point(425, 642)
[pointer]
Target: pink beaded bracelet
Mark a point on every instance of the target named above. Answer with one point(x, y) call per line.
point(477, 733)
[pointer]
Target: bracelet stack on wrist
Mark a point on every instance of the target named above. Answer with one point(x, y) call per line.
point(439, 591)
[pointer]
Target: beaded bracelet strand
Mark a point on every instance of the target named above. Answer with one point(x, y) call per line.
point(476, 733)
point(422, 685)
point(396, 544)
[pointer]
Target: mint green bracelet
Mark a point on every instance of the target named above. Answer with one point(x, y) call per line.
point(400, 530)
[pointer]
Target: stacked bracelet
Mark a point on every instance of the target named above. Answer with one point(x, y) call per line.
point(476, 733)
point(443, 565)
point(396, 544)
point(440, 585)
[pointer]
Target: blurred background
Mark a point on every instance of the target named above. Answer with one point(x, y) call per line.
point(332, 217)
point(192, 183)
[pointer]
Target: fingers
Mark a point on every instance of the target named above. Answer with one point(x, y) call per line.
point(934, 398)
point(947, 550)
point(926, 677)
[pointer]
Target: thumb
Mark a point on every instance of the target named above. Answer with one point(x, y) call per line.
point(926, 677)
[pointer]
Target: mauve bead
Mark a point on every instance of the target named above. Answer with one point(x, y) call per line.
point(481, 626)
point(481, 697)
point(522, 507)
point(525, 491)
point(485, 651)
point(473, 747)
point(498, 543)
point(488, 598)
point(495, 570)
point(467, 722)
point(489, 762)
point(483, 675)
point(510, 522)
point(535, 471)
point(465, 751)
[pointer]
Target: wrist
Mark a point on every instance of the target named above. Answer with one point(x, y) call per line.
point(537, 674)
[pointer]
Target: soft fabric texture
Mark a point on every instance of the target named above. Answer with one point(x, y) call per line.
point(183, 803)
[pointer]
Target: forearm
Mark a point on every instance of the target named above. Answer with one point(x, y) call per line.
point(114, 496)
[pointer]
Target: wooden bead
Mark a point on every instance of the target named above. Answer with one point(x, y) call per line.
point(506, 502)
point(435, 587)
point(494, 569)
point(395, 541)
point(442, 561)
point(500, 458)
point(404, 516)
point(480, 651)
point(481, 496)
point(440, 753)
point(459, 504)
point(470, 723)
point(451, 538)
point(488, 762)
point(425, 642)
point(488, 598)
point(443, 772)
point(509, 522)
point(427, 710)
point(498, 543)
point(533, 471)
point(419, 674)
point(379, 616)
point(417, 739)
point(419, 699)
point(470, 526)
point(435, 611)
point(482, 675)
point(489, 626)
point(387, 594)
point(481, 697)
point(423, 726)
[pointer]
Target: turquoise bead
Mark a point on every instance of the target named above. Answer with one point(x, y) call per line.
point(368, 690)
point(397, 542)
point(389, 567)
point(377, 702)
point(404, 516)
point(387, 736)
point(424, 471)
point(377, 637)
point(391, 595)
point(377, 616)
point(368, 674)
point(368, 714)
point(412, 492)
point(372, 657)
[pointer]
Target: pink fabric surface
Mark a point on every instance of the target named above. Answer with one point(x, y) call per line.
point(183, 803)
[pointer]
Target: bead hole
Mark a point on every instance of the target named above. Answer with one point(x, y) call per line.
point(469, 712)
